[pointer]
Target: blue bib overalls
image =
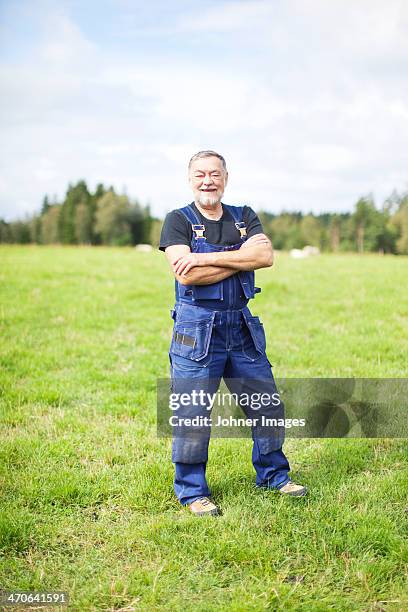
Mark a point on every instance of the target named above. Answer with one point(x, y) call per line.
point(215, 336)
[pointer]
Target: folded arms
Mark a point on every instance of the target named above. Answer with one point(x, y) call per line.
point(207, 268)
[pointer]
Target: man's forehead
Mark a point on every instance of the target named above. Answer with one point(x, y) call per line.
point(206, 164)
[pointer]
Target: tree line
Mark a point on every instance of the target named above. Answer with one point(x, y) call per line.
point(100, 218)
point(108, 218)
point(366, 229)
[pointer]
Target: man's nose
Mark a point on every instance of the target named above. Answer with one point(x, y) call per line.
point(207, 180)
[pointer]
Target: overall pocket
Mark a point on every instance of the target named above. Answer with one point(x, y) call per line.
point(257, 347)
point(247, 280)
point(191, 339)
point(208, 292)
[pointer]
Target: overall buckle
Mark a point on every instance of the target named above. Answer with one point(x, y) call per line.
point(241, 227)
point(198, 230)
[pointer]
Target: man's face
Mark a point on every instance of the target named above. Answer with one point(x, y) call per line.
point(208, 180)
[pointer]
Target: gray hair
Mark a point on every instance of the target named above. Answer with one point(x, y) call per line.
point(202, 154)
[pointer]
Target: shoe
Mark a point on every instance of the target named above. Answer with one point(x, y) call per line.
point(293, 489)
point(203, 506)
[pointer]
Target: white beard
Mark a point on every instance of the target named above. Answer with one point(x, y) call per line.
point(204, 199)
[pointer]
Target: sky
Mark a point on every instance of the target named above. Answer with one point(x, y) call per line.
point(306, 99)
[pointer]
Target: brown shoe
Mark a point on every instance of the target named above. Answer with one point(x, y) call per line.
point(291, 488)
point(203, 506)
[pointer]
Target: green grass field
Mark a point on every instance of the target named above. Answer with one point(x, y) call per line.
point(86, 486)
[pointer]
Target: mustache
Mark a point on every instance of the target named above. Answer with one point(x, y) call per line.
point(210, 197)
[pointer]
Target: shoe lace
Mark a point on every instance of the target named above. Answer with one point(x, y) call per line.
point(204, 501)
point(294, 485)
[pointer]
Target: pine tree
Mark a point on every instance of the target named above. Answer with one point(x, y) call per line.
point(76, 195)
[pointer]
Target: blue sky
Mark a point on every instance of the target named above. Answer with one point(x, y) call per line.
point(306, 99)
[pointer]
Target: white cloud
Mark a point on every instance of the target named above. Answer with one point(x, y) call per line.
point(231, 16)
point(309, 108)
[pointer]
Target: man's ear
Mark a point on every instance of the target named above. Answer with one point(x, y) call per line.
point(226, 178)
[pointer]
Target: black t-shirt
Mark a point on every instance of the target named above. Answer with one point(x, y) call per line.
point(177, 229)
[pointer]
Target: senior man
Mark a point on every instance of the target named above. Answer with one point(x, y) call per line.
point(213, 250)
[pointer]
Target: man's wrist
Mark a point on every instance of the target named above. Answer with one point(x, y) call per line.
point(211, 259)
point(220, 259)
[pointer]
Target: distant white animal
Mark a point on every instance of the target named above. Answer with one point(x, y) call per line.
point(311, 250)
point(144, 248)
point(297, 254)
point(307, 251)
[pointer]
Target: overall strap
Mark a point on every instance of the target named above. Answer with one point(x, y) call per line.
point(197, 227)
point(237, 213)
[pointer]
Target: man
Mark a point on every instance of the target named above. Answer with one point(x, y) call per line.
point(213, 250)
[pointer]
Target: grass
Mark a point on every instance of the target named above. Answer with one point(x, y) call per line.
point(86, 486)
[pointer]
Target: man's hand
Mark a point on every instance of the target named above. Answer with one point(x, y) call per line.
point(182, 264)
